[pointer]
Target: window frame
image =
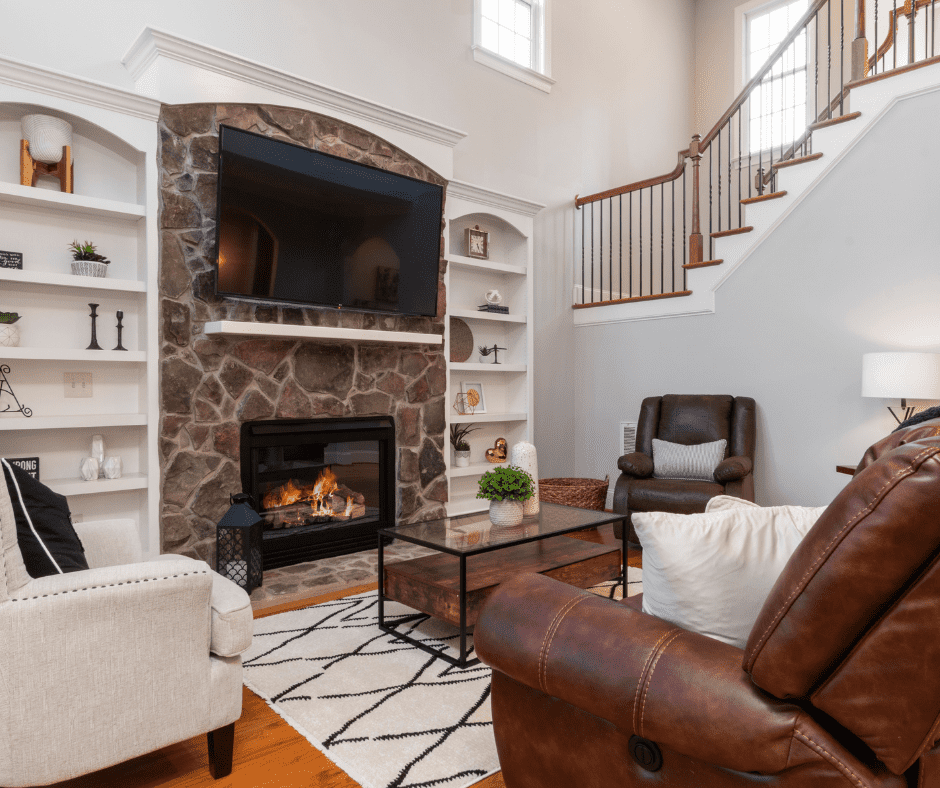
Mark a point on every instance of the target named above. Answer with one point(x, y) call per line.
point(541, 51)
point(742, 15)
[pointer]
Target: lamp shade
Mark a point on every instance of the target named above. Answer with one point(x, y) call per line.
point(901, 375)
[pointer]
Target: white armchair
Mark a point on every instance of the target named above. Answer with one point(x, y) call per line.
point(103, 665)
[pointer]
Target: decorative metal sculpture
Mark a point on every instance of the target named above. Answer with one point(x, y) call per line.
point(94, 329)
point(499, 451)
point(462, 405)
point(494, 351)
point(6, 388)
point(120, 328)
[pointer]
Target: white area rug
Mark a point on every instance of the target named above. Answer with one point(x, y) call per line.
point(386, 713)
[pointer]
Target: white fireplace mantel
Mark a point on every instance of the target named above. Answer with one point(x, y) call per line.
point(281, 331)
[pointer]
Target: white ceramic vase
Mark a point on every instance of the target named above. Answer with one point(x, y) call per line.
point(97, 452)
point(9, 335)
point(46, 136)
point(522, 455)
point(506, 512)
point(461, 458)
point(112, 467)
point(89, 469)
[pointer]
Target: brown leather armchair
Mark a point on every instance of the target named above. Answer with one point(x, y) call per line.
point(687, 419)
point(837, 686)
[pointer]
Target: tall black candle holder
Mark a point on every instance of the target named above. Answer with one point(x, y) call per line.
point(94, 331)
point(120, 328)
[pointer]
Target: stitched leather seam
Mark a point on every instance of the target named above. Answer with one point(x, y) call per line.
point(928, 740)
point(548, 632)
point(842, 767)
point(549, 647)
point(801, 585)
point(649, 678)
point(639, 684)
point(107, 585)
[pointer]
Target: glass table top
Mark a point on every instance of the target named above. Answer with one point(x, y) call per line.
point(474, 533)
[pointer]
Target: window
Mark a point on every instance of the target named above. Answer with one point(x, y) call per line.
point(511, 36)
point(778, 104)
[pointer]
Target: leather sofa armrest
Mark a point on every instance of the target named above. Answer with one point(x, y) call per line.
point(636, 464)
point(683, 690)
point(731, 469)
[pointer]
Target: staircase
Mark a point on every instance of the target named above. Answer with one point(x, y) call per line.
point(664, 246)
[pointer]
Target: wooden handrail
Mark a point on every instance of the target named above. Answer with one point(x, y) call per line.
point(768, 65)
point(889, 41)
point(633, 187)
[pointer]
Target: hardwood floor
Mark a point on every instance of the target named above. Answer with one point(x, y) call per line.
point(269, 753)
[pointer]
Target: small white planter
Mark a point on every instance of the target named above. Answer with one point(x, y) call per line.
point(89, 268)
point(506, 513)
point(461, 458)
point(9, 335)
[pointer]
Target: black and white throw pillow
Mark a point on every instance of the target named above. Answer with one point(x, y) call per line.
point(44, 531)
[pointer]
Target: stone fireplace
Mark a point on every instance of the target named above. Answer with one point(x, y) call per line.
point(210, 386)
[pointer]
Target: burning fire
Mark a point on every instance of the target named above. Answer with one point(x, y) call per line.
point(316, 494)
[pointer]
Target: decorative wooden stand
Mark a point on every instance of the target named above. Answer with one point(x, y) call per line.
point(30, 169)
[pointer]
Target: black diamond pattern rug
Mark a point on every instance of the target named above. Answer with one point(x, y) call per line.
point(388, 714)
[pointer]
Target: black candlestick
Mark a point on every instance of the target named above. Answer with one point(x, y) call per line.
point(94, 332)
point(120, 328)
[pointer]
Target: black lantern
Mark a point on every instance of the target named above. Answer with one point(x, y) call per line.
point(238, 544)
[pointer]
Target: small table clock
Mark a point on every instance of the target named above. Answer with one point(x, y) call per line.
point(478, 242)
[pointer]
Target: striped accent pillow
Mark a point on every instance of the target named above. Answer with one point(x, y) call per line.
point(676, 461)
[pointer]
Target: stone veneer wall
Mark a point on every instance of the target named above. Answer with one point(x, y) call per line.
point(209, 386)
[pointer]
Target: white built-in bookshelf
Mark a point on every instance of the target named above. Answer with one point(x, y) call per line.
point(114, 205)
point(507, 386)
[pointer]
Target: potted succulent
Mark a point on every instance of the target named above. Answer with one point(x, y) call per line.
point(86, 261)
point(506, 488)
point(458, 439)
point(9, 333)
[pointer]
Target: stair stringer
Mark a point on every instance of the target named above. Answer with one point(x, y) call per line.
point(874, 100)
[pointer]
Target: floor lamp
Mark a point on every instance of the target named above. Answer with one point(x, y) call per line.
point(901, 376)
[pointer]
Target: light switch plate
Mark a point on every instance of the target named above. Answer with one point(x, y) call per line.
point(77, 384)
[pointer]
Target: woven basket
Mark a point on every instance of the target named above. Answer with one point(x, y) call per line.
point(89, 268)
point(581, 493)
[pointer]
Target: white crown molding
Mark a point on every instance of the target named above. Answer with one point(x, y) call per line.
point(478, 194)
point(152, 44)
point(18, 73)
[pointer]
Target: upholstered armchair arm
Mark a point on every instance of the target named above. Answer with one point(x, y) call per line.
point(684, 691)
point(109, 542)
point(636, 464)
point(731, 469)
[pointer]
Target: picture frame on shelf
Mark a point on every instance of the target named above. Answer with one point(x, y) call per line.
point(12, 260)
point(478, 243)
point(475, 397)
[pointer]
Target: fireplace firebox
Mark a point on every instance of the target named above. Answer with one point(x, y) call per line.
point(323, 487)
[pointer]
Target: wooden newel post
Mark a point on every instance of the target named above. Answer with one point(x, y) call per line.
point(695, 239)
point(860, 44)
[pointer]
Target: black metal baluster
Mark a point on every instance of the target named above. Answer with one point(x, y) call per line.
point(620, 239)
point(583, 212)
point(651, 240)
point(729, 173)
point(639, 230)
point(684, 258)
point(760, 146)
point(718, 141)
point(662, 236)
point(740, 193)
point(673, 204)
point(842, 61)
point(630, 248)
point(829, 67)
point(933, 26)
point(874, 69)
point(592, 253)
point(601, 266)
point(710, 240)
point(610, 259)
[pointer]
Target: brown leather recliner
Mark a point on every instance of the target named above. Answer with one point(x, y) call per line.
point(687, 419)
point(838, 685)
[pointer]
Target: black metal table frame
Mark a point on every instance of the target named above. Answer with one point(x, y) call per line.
point(461, 661)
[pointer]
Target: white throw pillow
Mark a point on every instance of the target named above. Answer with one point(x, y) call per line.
point(710, 573)
point(677, 461)
point(721, 503)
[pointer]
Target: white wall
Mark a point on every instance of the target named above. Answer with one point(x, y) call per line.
point(853, 269)
point(606, 121)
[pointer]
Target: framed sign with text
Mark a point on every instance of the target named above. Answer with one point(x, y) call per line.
point(11, 259)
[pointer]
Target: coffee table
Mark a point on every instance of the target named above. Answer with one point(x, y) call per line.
point(474, 556)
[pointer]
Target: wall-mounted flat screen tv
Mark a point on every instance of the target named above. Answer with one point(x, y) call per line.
point(300, 226)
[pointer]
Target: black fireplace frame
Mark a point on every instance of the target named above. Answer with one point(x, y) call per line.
point(286, 546)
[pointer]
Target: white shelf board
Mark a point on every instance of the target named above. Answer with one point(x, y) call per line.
point(237, 328)
point(66, 354)
point(472, 314)
point(477, 469)
point(73, 203)
point(488, 265)
point(463, 505)
point(70, 280)
point(84, 421)
point(498, 417)
point(78, 486)
point(474, 367)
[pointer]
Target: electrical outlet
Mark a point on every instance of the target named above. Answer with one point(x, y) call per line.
point(77, 384)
